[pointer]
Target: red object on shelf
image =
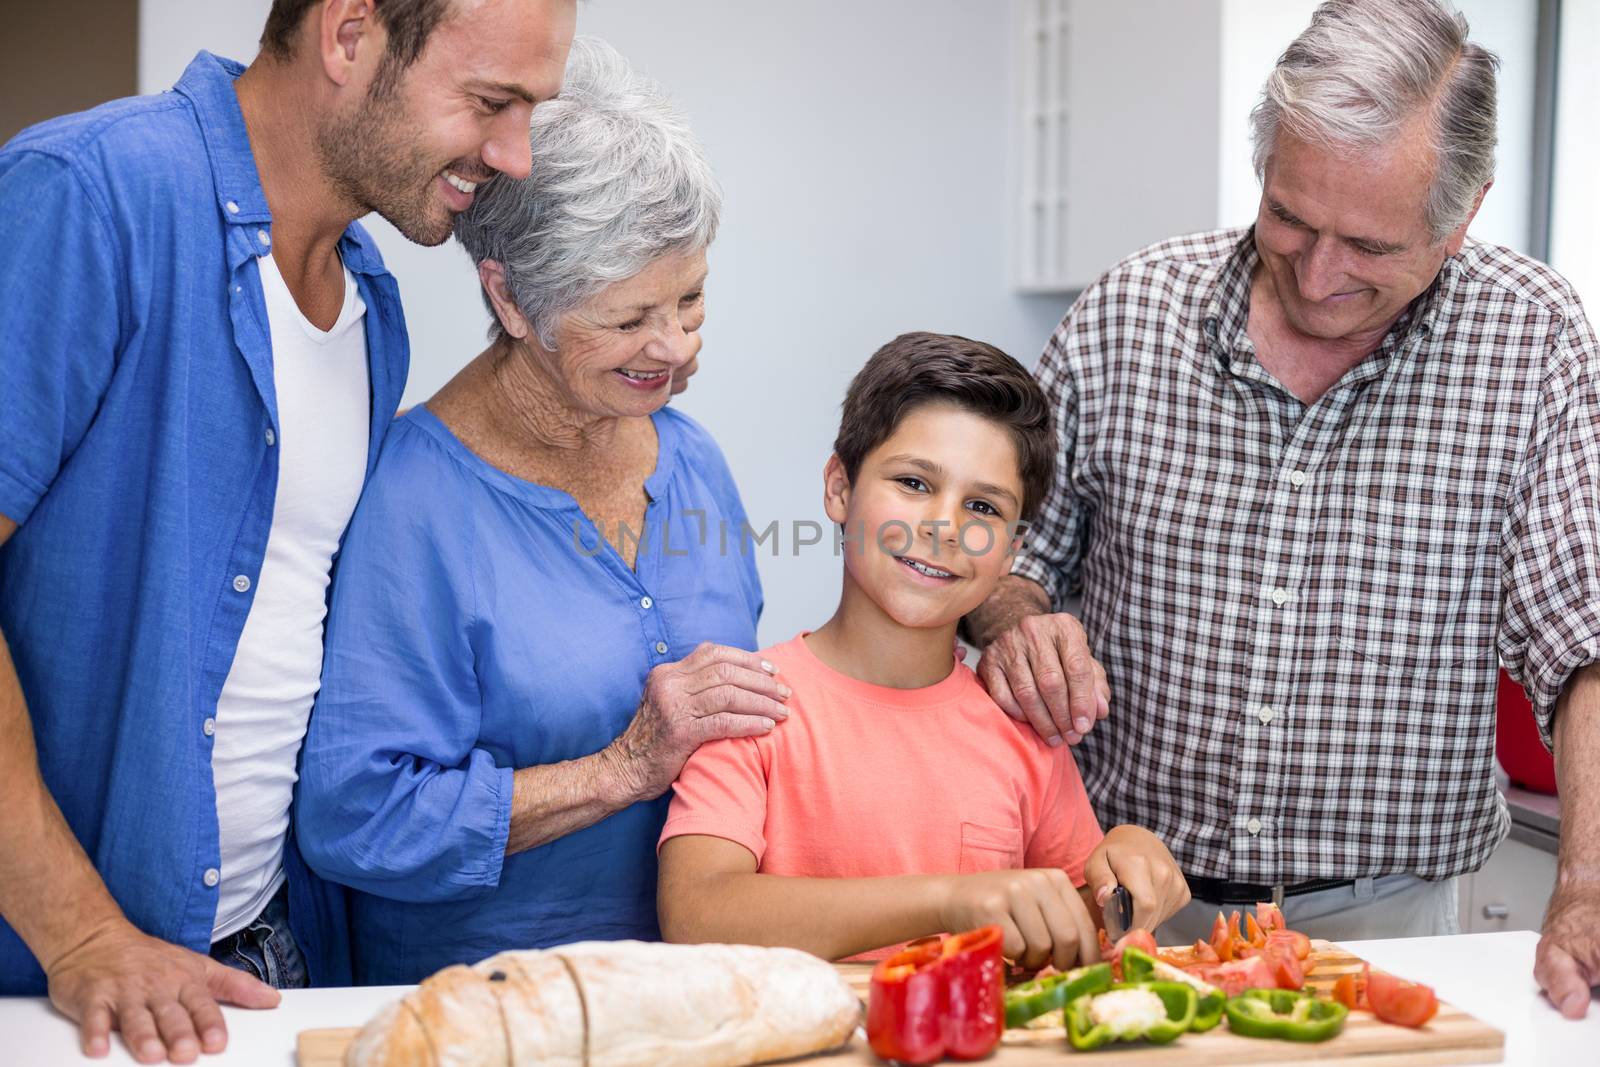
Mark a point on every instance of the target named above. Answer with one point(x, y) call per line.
point(1516, 741)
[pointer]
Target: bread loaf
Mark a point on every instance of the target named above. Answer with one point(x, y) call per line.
point(616, 1004)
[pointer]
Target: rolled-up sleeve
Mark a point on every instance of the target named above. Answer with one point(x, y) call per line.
point(397, 797)
point(60, 322)
point(1550, 555)
point(1052, 552)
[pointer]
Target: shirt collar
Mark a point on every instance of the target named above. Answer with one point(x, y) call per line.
point(1228, 311)
point(208, 84)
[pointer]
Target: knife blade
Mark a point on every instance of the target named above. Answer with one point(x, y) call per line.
point(1118, 913)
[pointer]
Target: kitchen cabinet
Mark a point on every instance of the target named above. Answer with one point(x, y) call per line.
point(1511, 891)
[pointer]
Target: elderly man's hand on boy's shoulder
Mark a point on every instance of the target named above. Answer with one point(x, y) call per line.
point(1039, 669)
point(1044, 918)
point(1135, 858)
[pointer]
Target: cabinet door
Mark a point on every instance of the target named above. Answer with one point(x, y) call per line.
point(1511, 891)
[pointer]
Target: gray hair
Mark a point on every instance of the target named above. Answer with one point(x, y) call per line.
point(618, 181)
point(1363, 68)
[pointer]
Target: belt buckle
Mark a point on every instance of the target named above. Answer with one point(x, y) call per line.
point(1277, 897)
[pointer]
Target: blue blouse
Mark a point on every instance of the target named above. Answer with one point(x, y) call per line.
point(480, 624)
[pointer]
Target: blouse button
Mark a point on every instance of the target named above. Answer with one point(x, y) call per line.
point(646, 603)
point(661, 648)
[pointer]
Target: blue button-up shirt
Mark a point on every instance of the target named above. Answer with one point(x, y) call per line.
point(481, 624)
point(137, 421)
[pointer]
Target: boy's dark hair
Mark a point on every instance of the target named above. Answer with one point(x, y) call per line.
point(934, 368)
point(409, 24)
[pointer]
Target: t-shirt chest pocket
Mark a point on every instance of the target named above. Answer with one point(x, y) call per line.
point(987, 847)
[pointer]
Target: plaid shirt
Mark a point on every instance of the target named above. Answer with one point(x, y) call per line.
point(1299, 607)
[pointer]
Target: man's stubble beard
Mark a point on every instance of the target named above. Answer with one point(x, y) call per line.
point(371, 159)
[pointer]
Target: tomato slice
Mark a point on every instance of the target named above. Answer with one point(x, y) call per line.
point(1234, 978)
point(1204, 953)
point(1345, 991)
point(1269, 917)
point(1286, 969)
point(1221, 941)
point(1394, 1000)
point(1294, 940)
point(1138, 938)
point(1253, 932)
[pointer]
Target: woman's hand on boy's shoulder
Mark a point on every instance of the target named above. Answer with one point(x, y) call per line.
point(1040, 671)
point(1135, 858)
point(1042, 915)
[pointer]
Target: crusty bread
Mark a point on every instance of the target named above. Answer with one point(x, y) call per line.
point(616, 1004)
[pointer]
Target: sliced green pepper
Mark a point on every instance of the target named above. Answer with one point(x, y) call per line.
point(1208, 1011)
point(1284, 1014)
point(1028, 1001)
point(1148, 1011)
point(1139, 966)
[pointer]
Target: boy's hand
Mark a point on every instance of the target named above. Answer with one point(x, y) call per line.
point(1135, 858)
point(1042, 915)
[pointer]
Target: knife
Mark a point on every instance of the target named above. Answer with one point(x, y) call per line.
point(1118, 913)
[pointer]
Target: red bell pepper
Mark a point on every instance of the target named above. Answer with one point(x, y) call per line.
point(939, 998)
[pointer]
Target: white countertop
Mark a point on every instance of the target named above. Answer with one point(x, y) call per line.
point(1487, 975)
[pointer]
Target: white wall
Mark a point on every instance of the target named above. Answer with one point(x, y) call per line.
point(1255, 33)
point(1575, 213)
point(862, 148)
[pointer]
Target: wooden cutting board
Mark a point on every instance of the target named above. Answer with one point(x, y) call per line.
point(1452, 1037)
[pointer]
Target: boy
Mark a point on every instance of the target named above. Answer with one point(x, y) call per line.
point(897, 800)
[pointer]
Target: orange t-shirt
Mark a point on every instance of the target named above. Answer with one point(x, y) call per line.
point(863, 780)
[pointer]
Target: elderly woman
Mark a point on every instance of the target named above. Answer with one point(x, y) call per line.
point(528, 634)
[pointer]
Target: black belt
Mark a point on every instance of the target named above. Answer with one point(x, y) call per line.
point(1221, 891)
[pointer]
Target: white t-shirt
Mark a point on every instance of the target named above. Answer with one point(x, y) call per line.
point(324, 417)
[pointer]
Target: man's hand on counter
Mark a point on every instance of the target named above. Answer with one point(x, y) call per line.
point(1567, 964)
point(162, 997)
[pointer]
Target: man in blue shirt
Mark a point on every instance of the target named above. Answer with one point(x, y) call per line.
point(182, 274)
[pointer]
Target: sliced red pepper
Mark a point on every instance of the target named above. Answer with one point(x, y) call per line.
point(974, 973)
point(905, 1012)
point(939, 997)
point(1394, 1000)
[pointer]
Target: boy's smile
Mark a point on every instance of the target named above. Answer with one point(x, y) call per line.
point(928, 520)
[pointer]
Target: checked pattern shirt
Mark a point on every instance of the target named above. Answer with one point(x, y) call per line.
point(1300, 608)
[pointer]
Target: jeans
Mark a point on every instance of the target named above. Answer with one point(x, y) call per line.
point(1396, 905)
point(266, 949)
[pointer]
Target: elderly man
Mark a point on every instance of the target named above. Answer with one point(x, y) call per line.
point(199, 354)
point(1314, 477)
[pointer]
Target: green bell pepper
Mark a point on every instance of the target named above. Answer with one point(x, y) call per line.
point(1138, 966)
point(1157, 1012)
point(1284, 1014)
point(1028, 1001)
